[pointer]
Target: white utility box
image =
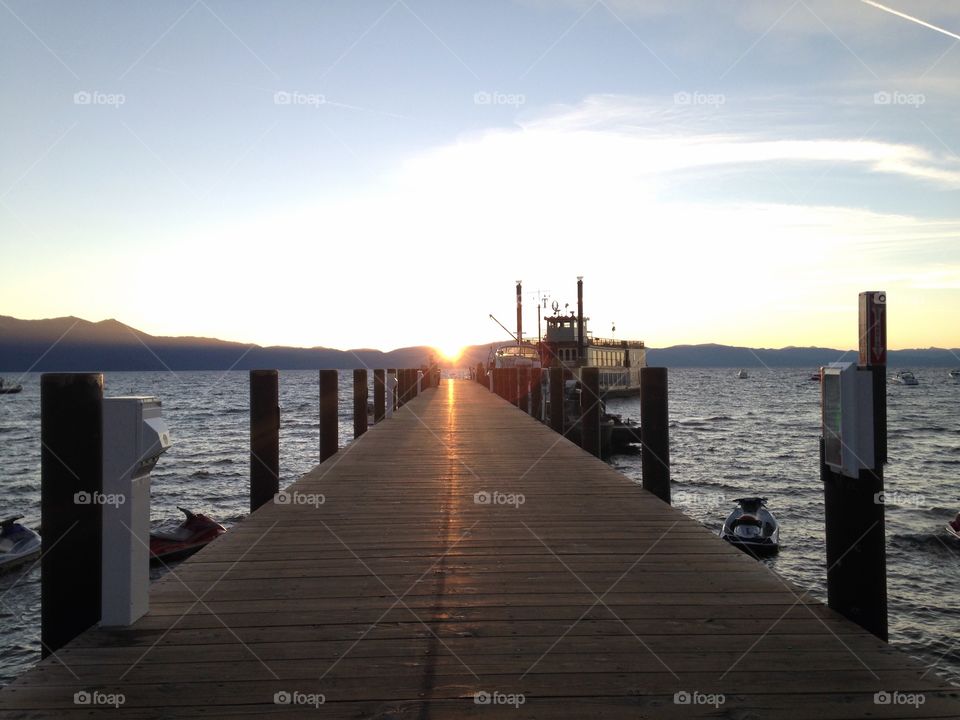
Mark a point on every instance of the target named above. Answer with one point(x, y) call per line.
point(847, 418)
point(134, 437)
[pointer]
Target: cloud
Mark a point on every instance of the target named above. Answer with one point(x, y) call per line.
point(580, 191)
point(621, 137)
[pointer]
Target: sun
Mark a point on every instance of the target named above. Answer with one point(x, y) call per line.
point(450, 353)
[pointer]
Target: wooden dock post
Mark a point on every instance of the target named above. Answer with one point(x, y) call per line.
point(329, 417)
point(402, 377)
point(655, 432)
point(556, 399)
point(392, 395)
point(590, 410)
point(854, 506)
point(523, 389)
point(360, 396)
point(513, 384)
point(536, 394)
point(379, 395)
point(264, 436)
point(71, 483)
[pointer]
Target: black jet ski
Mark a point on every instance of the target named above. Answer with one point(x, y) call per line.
point(18, 544)
point(752, 528)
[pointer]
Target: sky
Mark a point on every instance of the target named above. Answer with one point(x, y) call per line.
point(380, 173)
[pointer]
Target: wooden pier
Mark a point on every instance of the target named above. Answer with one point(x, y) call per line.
point(463, 560)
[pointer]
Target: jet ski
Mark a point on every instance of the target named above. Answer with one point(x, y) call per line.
point(752, 528)
point(18, 544)
point(953, 527)
point(195, 532)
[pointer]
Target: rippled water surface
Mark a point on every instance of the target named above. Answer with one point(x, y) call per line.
point(729, 438)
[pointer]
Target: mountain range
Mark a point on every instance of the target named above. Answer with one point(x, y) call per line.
point(71, 344)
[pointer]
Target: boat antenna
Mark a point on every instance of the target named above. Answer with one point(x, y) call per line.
point(541, 296)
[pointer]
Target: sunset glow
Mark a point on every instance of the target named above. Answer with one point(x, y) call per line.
point(450, 353)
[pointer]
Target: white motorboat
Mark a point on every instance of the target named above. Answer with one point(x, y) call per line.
point(8, 389)
point(905, 377)
point(742, 374)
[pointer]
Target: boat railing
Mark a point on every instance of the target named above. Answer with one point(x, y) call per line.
point(610, 342)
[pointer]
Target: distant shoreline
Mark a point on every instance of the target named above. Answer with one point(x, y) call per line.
point(73, 345)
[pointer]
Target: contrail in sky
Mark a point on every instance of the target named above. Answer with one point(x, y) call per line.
point(911, 18)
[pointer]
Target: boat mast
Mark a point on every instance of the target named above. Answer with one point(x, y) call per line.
point(519, 314)
point(580, 346)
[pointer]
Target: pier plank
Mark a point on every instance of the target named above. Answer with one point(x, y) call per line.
point(462, 547)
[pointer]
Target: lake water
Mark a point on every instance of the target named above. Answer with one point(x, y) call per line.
point(729, 438)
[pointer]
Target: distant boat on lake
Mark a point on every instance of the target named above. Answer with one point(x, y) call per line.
point(905, 377)
point(6, 389)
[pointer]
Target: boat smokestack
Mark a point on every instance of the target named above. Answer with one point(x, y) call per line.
point(580, 317)
point(519, 313)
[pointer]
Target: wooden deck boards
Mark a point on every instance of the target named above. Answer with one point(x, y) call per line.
point(402, 597)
